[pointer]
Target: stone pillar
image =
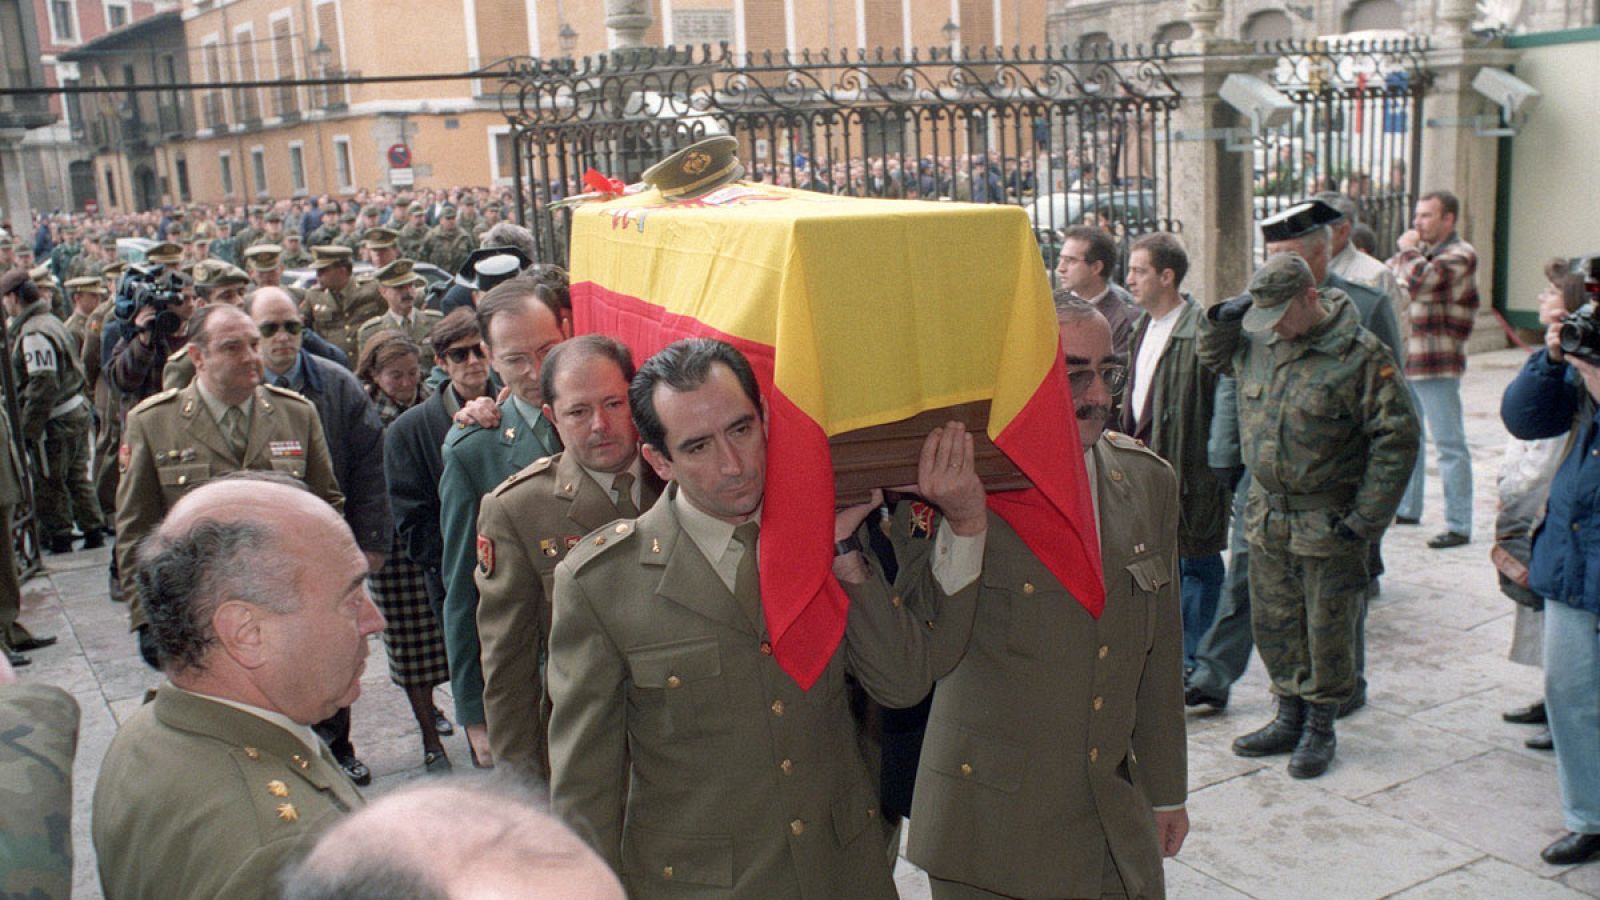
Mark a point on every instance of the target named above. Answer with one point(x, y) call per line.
point(1457, 159)
point(627, 21)
point(18, 207)
point(1211, 189)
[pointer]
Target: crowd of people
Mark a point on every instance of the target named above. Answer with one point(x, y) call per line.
point(569, 537)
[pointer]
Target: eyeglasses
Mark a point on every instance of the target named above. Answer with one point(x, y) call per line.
point(268, 329)
point(1114, 377)
point(1065, 260)
point(458, 355)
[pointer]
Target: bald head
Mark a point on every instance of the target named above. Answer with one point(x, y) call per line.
point(452, 839)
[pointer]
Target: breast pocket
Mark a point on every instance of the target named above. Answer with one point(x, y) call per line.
point(676, 690)
point(1021, 600)
point(1319, 422)
point(1149, 574)
point(177, 480)
point(293, 466)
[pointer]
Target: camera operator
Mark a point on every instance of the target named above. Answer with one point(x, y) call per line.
point(1555, 394)
point(152, 311)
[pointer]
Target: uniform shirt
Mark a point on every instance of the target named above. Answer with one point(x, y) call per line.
point(607, 481)
point(218, 409)
point(1144, 368)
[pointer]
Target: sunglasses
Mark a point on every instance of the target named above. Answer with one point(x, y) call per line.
point(1115, 378)
point(268, 329)
point(458, 355)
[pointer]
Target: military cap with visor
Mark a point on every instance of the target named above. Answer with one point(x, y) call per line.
point(1298, 221)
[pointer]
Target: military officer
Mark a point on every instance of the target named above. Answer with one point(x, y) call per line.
point(85, 295)
point(1054, 760)
point(251, 233)
point(64, 252)
point(520, 328)
point(273, 232)
point(56, 421)
point(1329, 436)
point(225, 421)
point(257, 599)
point(49, 291)
point(679, 747)
point(447, 246)
point(294, 254)
point(264, 262)
point(381, 245)
point(414, 232)
point(214, 282)
point(166, 255)
point(398, 284)
point(528, 523)
point(328, 231)
point(349, 236)
point(338, 305)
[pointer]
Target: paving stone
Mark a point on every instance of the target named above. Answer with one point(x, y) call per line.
point(1379, 749)
point(1490, 878)
point(1186, 882)
point(1477, 716)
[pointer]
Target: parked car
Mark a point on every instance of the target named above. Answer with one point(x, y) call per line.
point(133, 249)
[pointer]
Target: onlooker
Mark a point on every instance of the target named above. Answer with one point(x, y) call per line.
point(255, 594)
point(1440, 270)
point(1555, 394)
point(1088, 260)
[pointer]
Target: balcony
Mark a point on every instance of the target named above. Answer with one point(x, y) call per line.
point(212, 112)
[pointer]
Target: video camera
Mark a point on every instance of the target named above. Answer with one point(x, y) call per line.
point(144, 286)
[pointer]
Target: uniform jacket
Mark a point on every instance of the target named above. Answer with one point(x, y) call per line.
point(1372, 311)
point(337, 315)
point(1545, 400)
point(179, 370)
point(448, 251)
point(10, 465)
point(1353, 265)
point(354, 431)
point(475, 460)
point(418, 330)
point(198, 799)
point(44, 358)
point(1443, 283)
point(682, 752)
point(1178, 426)
point(1056, 734)
point(1327, 413)
point(526, 526)
point(171, 445)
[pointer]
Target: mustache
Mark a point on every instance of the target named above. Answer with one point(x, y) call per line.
point(1093, 410)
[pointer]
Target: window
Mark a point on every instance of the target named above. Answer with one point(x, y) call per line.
point(502, 155)
point(285, 98)
point(215, 116)
point(246, 101)
point(297, 167)
point(258, 169)
point(116, 14)
point(342, 164)
point(111, 189)
point(182, 165)
point(64, 23)
point(74, 110)
point(226, 161)
point(328, 33)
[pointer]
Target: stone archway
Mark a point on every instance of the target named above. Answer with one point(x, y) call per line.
point(1267, 25)
point(1173, 31)
point(1375, 15)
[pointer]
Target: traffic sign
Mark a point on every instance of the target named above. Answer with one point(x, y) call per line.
point(399, 156)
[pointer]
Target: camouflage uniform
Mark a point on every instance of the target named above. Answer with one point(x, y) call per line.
point(62, 258)
point(297, 258)
point(324, 235)
point(1329, 436)
point(447, 250)
point(40, 723)
point(412, 238)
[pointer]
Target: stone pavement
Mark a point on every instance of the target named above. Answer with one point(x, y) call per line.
point(1432, 794)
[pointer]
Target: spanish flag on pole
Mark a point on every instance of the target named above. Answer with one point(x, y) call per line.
point(853, 313)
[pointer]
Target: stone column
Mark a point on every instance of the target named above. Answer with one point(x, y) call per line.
point(1457, 159)
point(627, 21)
point(18, 206)
point(1211, 190)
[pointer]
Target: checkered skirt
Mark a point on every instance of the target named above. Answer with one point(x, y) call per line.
point(414, 640)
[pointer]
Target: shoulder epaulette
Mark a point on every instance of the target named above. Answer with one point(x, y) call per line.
point(1128, 442)
point(599, 542)
point(538, 466)
point(284, 392)
point(155, 399)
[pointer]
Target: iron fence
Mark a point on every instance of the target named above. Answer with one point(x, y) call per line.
point(1069, 138)
point(1356, 128)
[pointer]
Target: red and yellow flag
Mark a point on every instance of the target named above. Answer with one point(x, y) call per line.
point(853, 313)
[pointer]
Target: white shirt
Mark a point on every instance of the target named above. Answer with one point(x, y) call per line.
point(304, 733)
point(1155, 342)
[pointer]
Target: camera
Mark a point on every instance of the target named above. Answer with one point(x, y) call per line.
point(1580, 331)
point(143, 286)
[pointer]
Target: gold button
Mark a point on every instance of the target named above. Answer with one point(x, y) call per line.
point(966, 770)
point(797, 826)
point(252, 753)
point(766, 648)
point(787, 766)
point(871, 812)
point(895, 601)
point(1094, 754)
point(1027, 587)
point(1104, 650)
point(673, 681)
point(1115, 475)
point(777, 707)
point(666, 872)
point(621, 528)
point(1099, 702)
point(183, 480)
point(599, 540)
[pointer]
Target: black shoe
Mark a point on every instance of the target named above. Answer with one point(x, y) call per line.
point(33, 643)
point(1407, 520)
point(61, 543)
point(1532, 714)
point(94, 540)
point(1447, 540)
point(436, 763)
point(441, 725)
point(1281, 735)
point(1356, 701)
point(17, 660)
point(1195, 695)
point(1314, 753)
point(1540, 741)
point(357, 770)
point(1572, 849)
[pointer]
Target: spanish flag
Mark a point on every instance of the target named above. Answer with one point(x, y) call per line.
point(853, 313)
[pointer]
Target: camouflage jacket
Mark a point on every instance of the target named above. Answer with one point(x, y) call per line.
point(40, 725)
point(447, 251)
point(411, 239)
point(1326, 425)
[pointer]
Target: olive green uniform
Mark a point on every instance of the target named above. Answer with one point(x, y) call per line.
point(172, 444)
point(107, 408)
point(338, 315)
point(56, 421)
point(417, 328)
point(1329, 436)
point(447, 249)
point(412, 238)
point(12, 632)
point(296, 259)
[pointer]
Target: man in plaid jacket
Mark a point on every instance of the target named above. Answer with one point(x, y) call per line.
point(1440, 271)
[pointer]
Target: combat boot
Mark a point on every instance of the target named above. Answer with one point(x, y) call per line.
point(1315, 751)
point(1281, 735)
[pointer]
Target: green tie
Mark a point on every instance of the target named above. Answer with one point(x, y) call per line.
point(234, 431)
point(623, 485)
point(747, 583)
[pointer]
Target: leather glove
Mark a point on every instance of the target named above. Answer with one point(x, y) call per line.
point(1230, 476)
point(1232, 310)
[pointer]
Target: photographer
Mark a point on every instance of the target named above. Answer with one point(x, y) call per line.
point(1555, 394)
point(151, 312)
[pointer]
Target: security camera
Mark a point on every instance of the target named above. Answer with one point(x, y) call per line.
point(1515, 96)
point(1264, 105)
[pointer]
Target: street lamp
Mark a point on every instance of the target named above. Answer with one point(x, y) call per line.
point(568, 38)
point(952, 36)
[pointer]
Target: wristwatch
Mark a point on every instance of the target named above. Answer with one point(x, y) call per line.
point(851, 544)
